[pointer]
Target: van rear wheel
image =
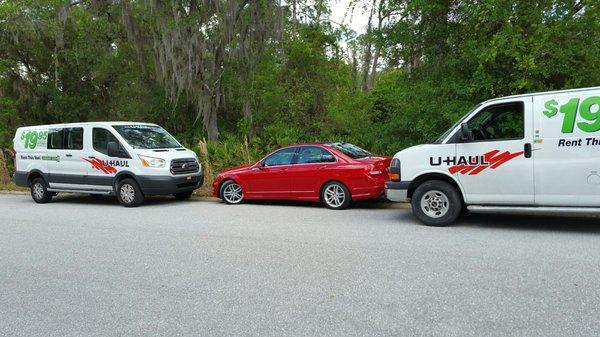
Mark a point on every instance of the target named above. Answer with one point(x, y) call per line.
point(129, 193)
point(39, 191)
point(436, 203)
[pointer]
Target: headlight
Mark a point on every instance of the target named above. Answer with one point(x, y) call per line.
point(152, 162)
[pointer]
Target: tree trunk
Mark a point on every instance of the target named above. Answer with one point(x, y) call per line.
point(368, 51)
point(374, 68)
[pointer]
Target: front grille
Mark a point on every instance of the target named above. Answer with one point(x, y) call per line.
point(184, 166)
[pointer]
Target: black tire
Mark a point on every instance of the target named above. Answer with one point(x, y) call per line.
point(183, 195)
point(39, 191)
point(431, 198)
point(229, 187)
point(129, 193)
point(342, 192)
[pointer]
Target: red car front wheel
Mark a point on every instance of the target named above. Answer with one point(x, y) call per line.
point(231, 192)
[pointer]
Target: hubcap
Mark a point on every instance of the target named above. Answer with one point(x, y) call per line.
point(233, 193)
point(38, 191)
point(334, 195)
point(127, 193)
point(435, 204)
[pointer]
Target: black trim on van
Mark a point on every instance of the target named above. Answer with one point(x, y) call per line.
point(150, 185)
point(155, 185)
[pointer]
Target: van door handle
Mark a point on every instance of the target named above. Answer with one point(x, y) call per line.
point(69, 155)
point(527, 150)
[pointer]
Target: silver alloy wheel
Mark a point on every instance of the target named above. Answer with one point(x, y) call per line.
point(334, 195)
point(127, 193)
point(435, 204)
point(38, 191)
point(233, 193)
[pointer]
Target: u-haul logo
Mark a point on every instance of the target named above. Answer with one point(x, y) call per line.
point(473, 165)
point(107, 166)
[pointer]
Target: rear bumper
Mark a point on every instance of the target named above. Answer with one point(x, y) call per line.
point(367, 193)
point(397, 190)
point(160, 185)
point(20, 179)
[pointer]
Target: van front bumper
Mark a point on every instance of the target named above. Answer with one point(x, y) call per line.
point(397, 190)
point(160, 185)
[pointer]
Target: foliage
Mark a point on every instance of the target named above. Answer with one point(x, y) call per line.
point(277, 74)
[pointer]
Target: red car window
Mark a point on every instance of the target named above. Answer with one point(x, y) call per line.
point(313, 154)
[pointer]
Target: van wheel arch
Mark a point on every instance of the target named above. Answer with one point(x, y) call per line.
point(434, 176)
point(34, 175)
point(121, 176)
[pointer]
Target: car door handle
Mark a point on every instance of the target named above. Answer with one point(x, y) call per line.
point(69, 155)
point(527, 150)
point(91, 157)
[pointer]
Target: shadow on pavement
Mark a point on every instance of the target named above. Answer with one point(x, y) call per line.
point(380, 203)
point(110, 200)
point(531, 222)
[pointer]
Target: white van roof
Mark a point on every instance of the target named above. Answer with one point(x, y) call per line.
point(542, 93)
point(67, 125)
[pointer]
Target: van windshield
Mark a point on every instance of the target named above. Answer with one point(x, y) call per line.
point(441, 138)
point(147, 137)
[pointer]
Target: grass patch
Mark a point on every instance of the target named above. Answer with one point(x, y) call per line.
point(12, 187)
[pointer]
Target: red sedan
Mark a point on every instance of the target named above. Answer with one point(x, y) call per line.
point(334, 174)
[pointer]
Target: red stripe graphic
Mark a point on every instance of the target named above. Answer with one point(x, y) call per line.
point(494, 161)
point(99, 165)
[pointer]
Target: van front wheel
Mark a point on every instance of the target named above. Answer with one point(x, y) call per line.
point(129, 193)
point(436, 203)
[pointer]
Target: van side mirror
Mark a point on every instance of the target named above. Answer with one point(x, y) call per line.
point(465, 133)
point(114, 150)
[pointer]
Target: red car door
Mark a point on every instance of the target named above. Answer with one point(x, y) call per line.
point(269, 179)
point(313, 167)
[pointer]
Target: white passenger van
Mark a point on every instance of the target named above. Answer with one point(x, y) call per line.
point(127, 159)
point(528, 153)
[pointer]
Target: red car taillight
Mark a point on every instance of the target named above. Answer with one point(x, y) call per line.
point(376, 170)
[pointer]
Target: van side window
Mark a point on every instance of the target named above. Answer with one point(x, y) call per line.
point(73, 139)
point(55, 139)
point(499, 122)
point(65, 139)
point(100, 139)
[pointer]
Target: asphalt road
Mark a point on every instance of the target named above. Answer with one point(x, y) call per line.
point(83, 267)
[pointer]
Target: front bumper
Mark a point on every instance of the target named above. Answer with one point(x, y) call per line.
point(160, 185)
point(397, 190)
point(20, 179)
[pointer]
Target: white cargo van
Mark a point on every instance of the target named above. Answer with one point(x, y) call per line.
point(127, 159)
point(528, 153)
